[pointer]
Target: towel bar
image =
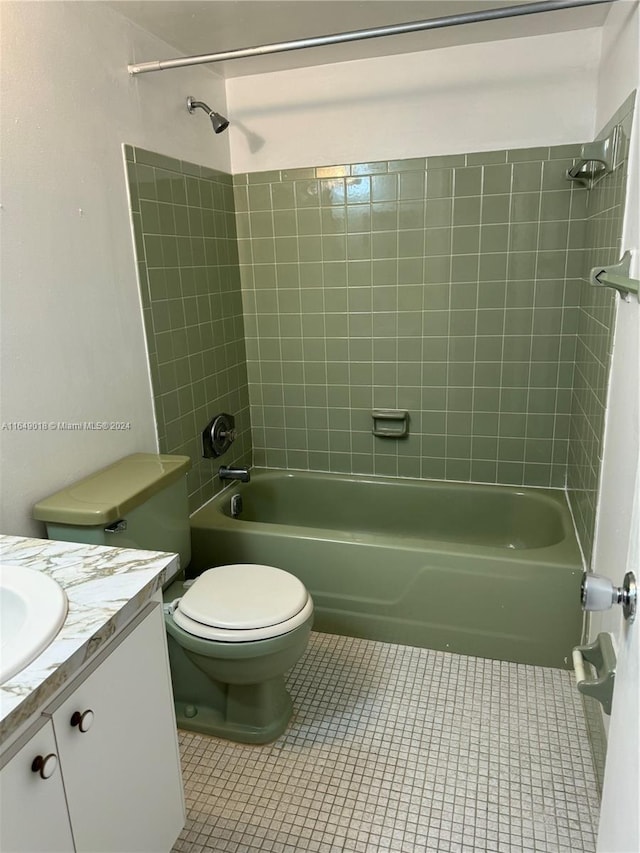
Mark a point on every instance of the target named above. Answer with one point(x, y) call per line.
point(601, 656)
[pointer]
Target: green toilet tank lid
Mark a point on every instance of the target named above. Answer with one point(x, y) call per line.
point(112, 492)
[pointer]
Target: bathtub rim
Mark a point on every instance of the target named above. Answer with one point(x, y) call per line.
point(563, 553)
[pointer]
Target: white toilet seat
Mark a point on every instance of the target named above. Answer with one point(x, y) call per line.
point(243, 603)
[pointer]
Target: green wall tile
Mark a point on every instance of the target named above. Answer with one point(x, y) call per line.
point(190, 383)
point(437, 282)
point(468, 181)
point(522, 154)
point(496, 179)
point(603, 209)
point(439, 183)
point(447, 161)
point(487, 157)
point(368, 168)
point(263, 177)
point(495, 209)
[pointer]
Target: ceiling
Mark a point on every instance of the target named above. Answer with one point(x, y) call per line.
point(208, 26)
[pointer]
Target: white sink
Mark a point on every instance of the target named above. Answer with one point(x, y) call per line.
point(33, 608)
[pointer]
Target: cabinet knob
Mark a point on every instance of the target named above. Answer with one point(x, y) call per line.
point(82, 719)
point(45, 766)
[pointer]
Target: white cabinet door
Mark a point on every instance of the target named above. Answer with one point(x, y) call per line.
point(122, 775)
point(33, 809)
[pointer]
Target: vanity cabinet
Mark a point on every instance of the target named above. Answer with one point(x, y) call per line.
point(33, 809)
point(116, 741)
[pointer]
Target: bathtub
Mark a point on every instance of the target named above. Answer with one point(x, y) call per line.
point(491, 571)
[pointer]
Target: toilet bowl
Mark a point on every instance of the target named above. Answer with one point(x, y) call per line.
point(233, 633)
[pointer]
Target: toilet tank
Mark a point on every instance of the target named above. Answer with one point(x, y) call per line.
point(138, 502)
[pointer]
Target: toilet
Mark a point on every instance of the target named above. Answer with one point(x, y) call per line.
point(233, 632)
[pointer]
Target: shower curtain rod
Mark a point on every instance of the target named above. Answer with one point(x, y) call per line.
point(359, 35)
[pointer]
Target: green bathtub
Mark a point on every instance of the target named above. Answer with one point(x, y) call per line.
point(491, 571)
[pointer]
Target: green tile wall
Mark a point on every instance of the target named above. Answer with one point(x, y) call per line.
point(596, 316)
point(185, 238)
point(447, 286)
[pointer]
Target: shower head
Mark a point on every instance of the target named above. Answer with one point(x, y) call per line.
point(219, 122)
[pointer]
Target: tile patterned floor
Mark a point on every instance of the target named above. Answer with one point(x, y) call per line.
point(395, 748)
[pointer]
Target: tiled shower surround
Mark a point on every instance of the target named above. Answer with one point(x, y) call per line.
point(450, 287)
point(596, 316)
point(185, 234)
point(447, 287)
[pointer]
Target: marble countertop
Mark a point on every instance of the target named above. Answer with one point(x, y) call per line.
point(105, 588)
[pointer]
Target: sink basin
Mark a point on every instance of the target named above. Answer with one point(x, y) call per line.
point(33, 608)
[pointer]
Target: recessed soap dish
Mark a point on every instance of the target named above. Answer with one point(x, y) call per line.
point(390, 423)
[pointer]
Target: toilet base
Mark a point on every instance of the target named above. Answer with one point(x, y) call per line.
point(206, 720)
point(233, 690)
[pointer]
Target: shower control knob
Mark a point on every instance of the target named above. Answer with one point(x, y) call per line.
point(218, 436)
point(83, 720)
point(600, 593)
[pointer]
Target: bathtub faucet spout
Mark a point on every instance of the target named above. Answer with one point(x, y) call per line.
point(231, 473)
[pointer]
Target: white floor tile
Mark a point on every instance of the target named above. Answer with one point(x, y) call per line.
point(395, 748)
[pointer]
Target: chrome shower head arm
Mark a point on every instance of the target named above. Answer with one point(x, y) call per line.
point(218, 121)
point(193, 105)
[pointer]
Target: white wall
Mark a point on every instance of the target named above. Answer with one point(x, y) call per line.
point(515, 93)
point(72, 346)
